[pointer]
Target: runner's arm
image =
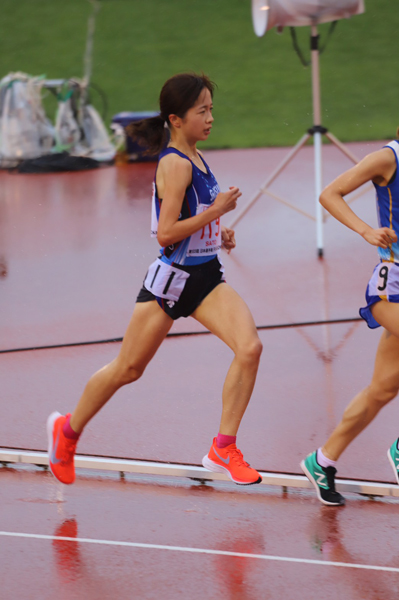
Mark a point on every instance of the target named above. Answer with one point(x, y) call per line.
point(176, 177)
point(377, 166)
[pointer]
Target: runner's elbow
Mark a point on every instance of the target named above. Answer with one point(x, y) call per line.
point(323, 199)
point(167, 236)
point(164, 239)
point(330, 196)
point(163, 235)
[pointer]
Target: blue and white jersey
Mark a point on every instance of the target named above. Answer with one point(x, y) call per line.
point(388, 208)
point(205, 244)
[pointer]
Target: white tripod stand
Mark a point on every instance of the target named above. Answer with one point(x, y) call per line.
point(316, 131)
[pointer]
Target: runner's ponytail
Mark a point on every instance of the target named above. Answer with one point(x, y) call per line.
point(150, 133)
point(178, 95)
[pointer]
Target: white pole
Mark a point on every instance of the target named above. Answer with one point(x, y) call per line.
point(317, 136)
point(88, 57)
point(318, 188)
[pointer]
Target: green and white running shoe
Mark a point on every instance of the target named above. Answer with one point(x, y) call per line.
point(393, 457)
point(323, 479)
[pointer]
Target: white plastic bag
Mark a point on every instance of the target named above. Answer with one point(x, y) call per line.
point(25, 131)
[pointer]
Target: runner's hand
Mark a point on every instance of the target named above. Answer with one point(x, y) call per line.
point(227, 201)
point(228, 239)
point(382, 237)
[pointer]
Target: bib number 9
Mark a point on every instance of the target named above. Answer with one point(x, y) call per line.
point(382, 278)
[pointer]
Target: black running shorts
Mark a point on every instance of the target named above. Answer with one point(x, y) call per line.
point(203, 279)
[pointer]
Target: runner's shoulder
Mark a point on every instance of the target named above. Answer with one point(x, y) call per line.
point(176, 162)
point(176, 168)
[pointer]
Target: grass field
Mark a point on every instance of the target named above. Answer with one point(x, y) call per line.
point(264, 93)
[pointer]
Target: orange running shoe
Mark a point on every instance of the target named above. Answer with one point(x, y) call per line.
point(230, 460)
point(61, 450)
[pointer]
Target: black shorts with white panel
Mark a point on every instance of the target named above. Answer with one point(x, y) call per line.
point(179, 290)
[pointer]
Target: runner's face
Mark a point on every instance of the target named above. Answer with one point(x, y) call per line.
point(197, 122)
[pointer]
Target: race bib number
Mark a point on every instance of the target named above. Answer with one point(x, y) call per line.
point(165, 281)
point(383, 273)
point(208, 240)
point(379, 282)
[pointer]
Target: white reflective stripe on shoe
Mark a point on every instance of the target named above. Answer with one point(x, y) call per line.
point(50, 428)
point(215, 468)
point(212, 466)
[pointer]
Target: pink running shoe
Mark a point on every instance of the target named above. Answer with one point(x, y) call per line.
point(61, 450)
point(230, 460)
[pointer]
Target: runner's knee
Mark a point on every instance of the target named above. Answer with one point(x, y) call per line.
point(383, 393)
point(250, 352)
point(129, 372)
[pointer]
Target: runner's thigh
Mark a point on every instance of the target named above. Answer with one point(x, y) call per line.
point(386, 368)
point(146, 331)
point(387, 315)
point(226, 315)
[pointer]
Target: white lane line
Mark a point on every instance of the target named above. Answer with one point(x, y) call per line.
point(288, 559)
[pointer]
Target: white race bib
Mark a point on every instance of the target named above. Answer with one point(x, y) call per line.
point(165, 281)
point(385, 280)
point(208, 240)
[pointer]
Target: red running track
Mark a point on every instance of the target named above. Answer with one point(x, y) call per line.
point(73, 252)
point(153, 538)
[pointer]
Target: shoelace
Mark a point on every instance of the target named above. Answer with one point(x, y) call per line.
point(236, 455)
point(330, 472)
point(68, 451)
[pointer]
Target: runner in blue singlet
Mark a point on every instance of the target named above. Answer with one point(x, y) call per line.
point(382, 309)
point(186, 280)
point(200, 194)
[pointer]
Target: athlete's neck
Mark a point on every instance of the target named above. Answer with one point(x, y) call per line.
point(188, 150)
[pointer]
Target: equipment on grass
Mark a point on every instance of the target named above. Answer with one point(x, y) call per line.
point(267, 14)
point(27, 134)
point(78, 126)
point(25, 131)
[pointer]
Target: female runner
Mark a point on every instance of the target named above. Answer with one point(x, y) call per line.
point(382, 297)
point(187, 279)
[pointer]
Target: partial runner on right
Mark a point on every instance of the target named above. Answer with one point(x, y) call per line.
point(382, 309)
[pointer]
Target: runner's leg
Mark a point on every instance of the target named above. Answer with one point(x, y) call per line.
point(227, 316)
point(146, 331)
point(382, 389)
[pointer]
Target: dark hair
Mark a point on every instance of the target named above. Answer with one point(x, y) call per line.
point(177, 96)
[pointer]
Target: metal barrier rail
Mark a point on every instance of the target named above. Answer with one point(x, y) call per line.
point(142, 467)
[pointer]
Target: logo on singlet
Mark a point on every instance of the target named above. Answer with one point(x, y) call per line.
point(213, 192)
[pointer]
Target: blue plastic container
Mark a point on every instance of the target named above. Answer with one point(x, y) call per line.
point(135, 151)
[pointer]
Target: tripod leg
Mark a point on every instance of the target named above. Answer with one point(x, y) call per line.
point(239, 215)
point(341, 147)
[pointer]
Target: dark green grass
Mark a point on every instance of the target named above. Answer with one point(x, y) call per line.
point(264, 93)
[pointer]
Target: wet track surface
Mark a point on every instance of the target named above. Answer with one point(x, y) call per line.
point(74, 249)
point(182, 517)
